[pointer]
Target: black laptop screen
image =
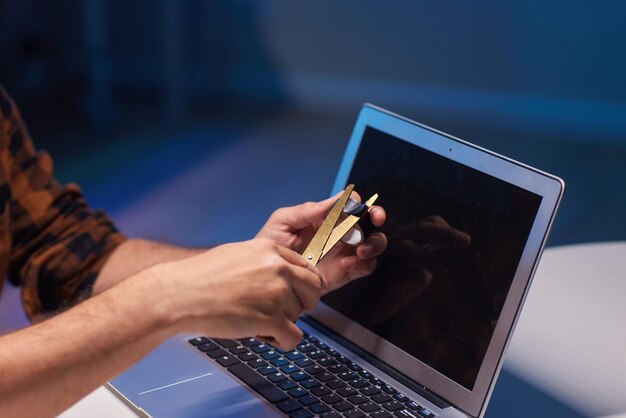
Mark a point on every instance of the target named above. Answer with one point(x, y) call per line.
point(456, 236)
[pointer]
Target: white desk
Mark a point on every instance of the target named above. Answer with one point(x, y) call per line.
point(570, 340)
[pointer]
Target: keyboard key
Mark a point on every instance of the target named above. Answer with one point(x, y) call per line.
point(287, 384)
point(369, 406)
point(381, 398)
point(298, 376)
point(330, 414)
point(400, 397)
point(247, 357)
point(313, 370)
point(261, 348)
point(343, 359)
point(317, 354)
point(288, 369)
point(335, 384)
point(370, 390)
point(347, 391)
point(312, 339)
point(342, 406)
point(238, 349)
point(305, 348)
point(327, 362)
point(198, 340)
point(301, 413)
point(304, 362)
point(337, 368)
point(294, 355)
point(358, 383)
point(324, 377)
point(347, 376)
point(270, 355)
point(407, 413)
point(354, 413)
point(392, 405)
point(309, 383)
point(332, 352)
point(365, 374)
point(288, 405)
point(426, 413)
point(412, 405)
point(250, 342)
point(332, 398)
point(319, 407)
point(357, 399)
point(265, 370)
point(263, 386)
point(388, 389)
point(320, 391)
point(376, 382)
point(355, 367)
point(380, 414)
point(218, 352)
point(256, 363)
point(276, 377)
point(307, 400)
point(226, 343)
point(208, 346)
point(226, 361)
point(321, 346)
point(279, 362)
point(297, 392)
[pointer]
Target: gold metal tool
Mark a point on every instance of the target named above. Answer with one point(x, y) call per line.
point(328, 235)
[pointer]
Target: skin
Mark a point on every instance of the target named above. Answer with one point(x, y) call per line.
point(148, 292)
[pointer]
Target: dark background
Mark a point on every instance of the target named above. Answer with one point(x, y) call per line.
point(190, 121)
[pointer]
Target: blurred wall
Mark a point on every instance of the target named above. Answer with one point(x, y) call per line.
point(555, 68)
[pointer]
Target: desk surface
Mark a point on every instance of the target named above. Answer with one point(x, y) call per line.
point(570, 340)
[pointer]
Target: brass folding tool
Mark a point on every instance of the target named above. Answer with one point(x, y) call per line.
point(328, 235)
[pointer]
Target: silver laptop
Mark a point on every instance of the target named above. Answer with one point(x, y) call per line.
point(425, 335)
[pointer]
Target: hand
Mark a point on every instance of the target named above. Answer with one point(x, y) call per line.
point(293, 227)
point(240, 290)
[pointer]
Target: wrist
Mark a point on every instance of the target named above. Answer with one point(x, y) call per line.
point(156, 293)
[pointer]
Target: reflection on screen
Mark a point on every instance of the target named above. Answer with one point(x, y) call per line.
point(456, 236)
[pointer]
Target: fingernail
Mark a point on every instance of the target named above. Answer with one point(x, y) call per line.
point(368, 250)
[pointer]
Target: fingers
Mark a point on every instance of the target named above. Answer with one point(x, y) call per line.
point(296, 259)
point(306, 280)
point(309, 213)
point(373, 246)
point(305, 214)
point(285, 333)
point(357, 267)
point(378, 216)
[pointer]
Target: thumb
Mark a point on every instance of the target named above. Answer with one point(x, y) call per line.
point(306, 214)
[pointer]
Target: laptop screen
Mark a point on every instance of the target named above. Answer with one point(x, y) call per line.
point(456, 236)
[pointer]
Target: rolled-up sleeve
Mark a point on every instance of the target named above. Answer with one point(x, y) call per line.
point(58, 244)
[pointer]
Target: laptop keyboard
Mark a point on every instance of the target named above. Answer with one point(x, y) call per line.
point(313, 380)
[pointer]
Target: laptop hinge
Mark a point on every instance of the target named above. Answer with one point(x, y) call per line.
point(406, 381)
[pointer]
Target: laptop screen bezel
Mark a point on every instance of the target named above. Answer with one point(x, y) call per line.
point(549, 187)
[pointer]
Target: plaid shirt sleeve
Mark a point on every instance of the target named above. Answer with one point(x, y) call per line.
point(58, 244)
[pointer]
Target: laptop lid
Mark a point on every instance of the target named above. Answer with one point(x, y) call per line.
point(466, 228)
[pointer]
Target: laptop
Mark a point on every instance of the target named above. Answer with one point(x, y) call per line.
point(424, 335)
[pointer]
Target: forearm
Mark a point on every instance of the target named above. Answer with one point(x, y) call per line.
point(47, 367)
point(136, 255)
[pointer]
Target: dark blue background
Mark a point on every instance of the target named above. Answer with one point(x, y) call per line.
point(134, 99)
